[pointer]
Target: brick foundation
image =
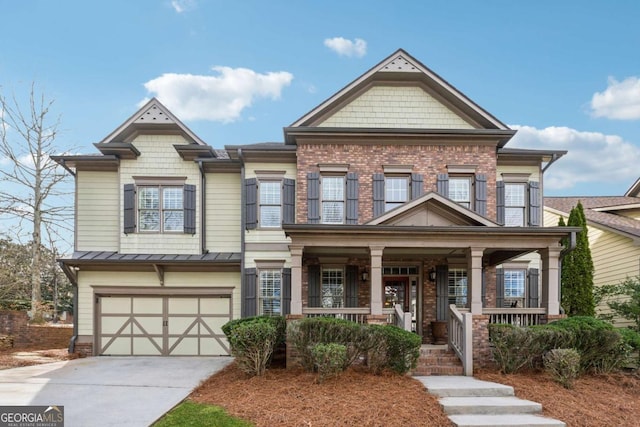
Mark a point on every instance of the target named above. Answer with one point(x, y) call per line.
point(16, 325)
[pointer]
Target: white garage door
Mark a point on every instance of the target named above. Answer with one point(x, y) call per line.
point(163, 325)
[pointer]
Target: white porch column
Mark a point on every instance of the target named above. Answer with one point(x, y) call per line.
point(474, 277)
point(296, 279)
point(551, 279)
point(376, 279)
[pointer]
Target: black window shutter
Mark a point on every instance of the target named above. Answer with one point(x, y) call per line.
point(314, 285)
point(352, 198)
point(534, 203)
point(286, 291)
point(500, 202)
point(416, 185)
point(189, 209)
point(288, 201)
point(251, 203)
point(313, 197)
point(481, 194)
point(129, 208)
point(442, 184)
point(249, 300)
point(351, 288)
point(533, 288)
point(378, 194)
point(499, 288)
point(442, 292)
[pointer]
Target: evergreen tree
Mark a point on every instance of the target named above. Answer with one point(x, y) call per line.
point(577, 270)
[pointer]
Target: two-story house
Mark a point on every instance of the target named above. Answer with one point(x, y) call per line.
point(395, 200)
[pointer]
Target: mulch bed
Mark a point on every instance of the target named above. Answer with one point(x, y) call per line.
point(293, 398)
point(595, 400)
point(10, 358)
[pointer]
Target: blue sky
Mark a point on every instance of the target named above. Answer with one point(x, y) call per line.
point(565, 73)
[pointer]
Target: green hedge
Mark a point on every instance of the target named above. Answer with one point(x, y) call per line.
point(394, 349)
point(278, 322)
point(252, 345)
point(601, 347)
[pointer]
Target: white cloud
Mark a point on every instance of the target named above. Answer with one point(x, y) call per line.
point(592, 157)
point(345, 47)
point(221, 97)
point(621, 100)
point(183, 5)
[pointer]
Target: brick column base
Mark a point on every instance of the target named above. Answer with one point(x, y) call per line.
point(548, 318)
point(291, 355)
point(482, 357)
point(376, 319)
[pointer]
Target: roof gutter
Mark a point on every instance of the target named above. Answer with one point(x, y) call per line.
point(243, 219)
point(554, 157)
point(63, 163)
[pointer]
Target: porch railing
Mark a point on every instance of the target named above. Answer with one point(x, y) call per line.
point(461, 337)
point(402, 318)
point(354, 314)
point(515, 316)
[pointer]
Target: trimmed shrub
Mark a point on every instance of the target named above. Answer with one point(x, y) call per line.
point(329, 359)
point(510, 346)
point(278, 322)
point(632, 340)
point(305, 333)
point(392, 348)
point(252, 344)
point(602, 349)
point(563, 364)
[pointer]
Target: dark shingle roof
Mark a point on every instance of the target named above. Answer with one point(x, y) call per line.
point(620, 223)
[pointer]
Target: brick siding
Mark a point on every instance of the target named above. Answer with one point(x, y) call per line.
point(365, 160)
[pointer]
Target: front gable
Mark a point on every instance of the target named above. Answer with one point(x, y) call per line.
point(154, 119)
point(400, 92)
point(433, 210)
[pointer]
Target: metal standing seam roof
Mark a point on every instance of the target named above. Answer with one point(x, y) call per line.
point(87, 257)
point(613, 221)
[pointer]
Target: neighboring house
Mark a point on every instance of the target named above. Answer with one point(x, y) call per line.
point(613, 223)
point(395, 200)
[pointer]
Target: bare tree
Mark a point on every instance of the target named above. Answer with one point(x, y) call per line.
point(30, 178)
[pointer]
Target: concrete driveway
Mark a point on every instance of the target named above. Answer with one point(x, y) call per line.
point(109, 391)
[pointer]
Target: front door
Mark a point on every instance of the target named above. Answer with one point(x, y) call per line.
point(396, 291)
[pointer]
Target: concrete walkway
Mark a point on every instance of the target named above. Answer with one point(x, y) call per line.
point(109, 391)
point(471, 402)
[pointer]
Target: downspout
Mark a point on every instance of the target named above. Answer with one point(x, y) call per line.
point(73, 278)
point(243, 228)
point(203, 201)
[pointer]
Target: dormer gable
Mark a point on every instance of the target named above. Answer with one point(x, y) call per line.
point(431, 209)
point(153, 118)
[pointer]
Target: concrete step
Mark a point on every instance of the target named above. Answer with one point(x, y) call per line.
point(461, 386)
point(503, 405)
point(526, 420)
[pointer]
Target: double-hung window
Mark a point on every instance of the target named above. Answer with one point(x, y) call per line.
point(514, 287)
point(332, 288)
point(514, 204)
point(396, 191)
point(270, 204)
point(160, 208)
point(460, 190)
point(457, 285)
point(333, 199)
point(270, 292)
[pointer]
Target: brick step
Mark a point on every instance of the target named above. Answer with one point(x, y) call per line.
point(437, 370)
point(438, 361)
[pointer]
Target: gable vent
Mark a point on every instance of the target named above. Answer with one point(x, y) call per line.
point(153, 115)
point(399, 63)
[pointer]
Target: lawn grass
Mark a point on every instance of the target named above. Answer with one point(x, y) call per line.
point(191, 414)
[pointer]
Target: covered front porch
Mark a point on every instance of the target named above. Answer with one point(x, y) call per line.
point(417, 276)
